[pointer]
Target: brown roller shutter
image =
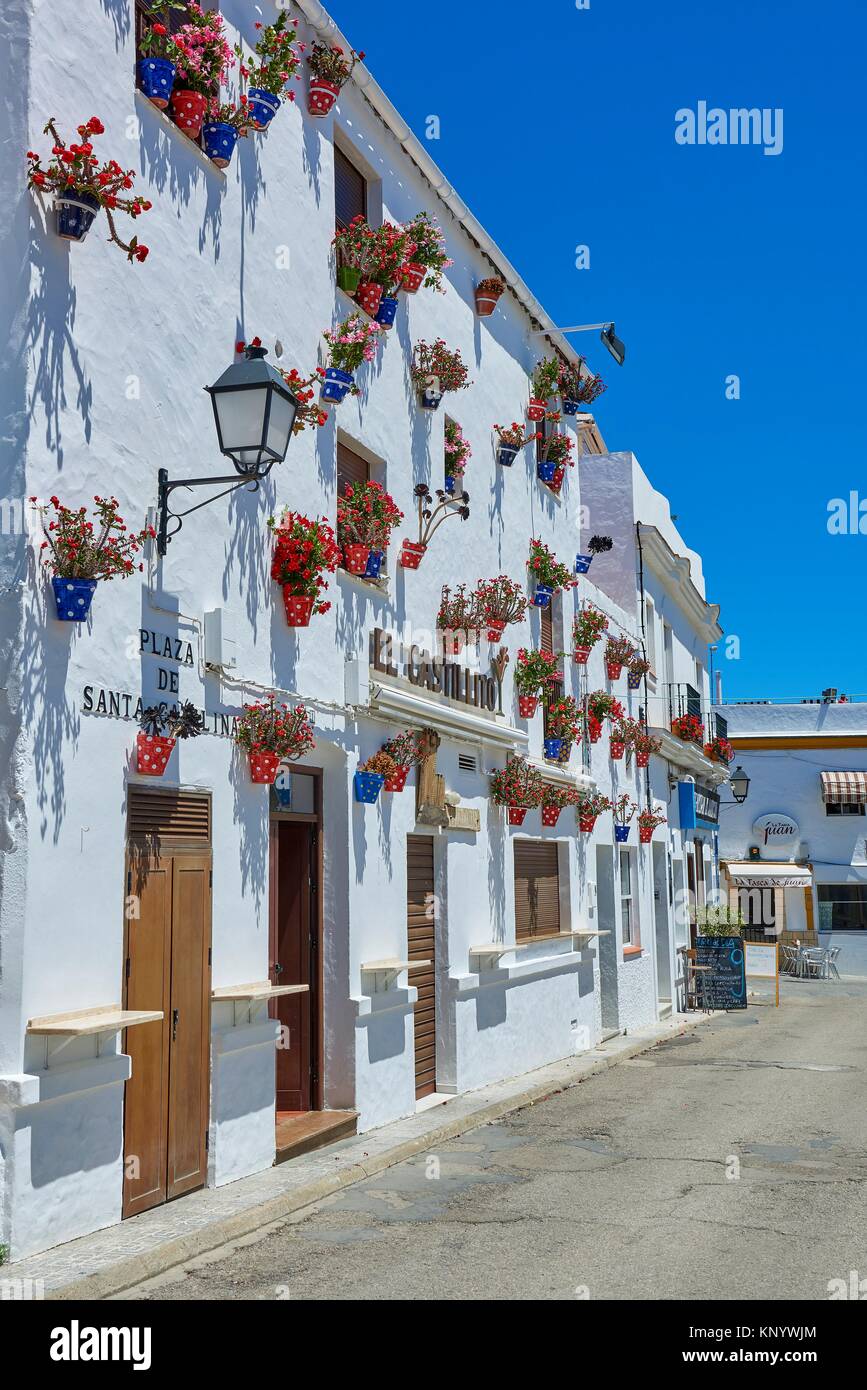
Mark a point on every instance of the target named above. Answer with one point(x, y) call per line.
point(537, 889)
point(421, 938)
point(554, 690)
point(351, 468)
point(168, 815)
point(350, 190)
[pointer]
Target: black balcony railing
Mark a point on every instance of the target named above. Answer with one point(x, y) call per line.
point(720, 724)
point(683, 699)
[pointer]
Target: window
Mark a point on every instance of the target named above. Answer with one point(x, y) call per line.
point(351, 468)
point(650, 633)
point(844, 808)
point(842, 906)
point(759, 910)
point(628, 905)
point(668, 654)
point(350, 190)
point(537, 889)
point(554, 690)
point(145, 16)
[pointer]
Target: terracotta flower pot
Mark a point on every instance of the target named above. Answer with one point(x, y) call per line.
point(298, 607)
point(486, 302)
point(586, 823)
point(517, 815)
point(355, 558)
point(645, 834)
point(412, 278)
point(614, 668)
point(152, 754)
point(581, 655)
point(369, 297)
point(642, 759)
point(536, 409)
point(188, 111)
point(527, 705)
point(551, 814)
point(411, 554)
point(397, 781)
point(495, 629)
point(321, 97)
point(617, 749)
point(264, 767)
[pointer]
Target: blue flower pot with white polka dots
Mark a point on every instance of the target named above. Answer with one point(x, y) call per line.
point(387, 312)
point(621, 834)
point(75, 214)
point(336, 384)
point(506, 455)
point(368, 785)
point(156, 77)
point(546, 471)
point(553, 747)
point(218, 141)
point(582, 563)
point(543, 595)
point(430, 399)
point(450, 485)
point(374, 564)
point(262, 106)
point(73, 598)
point(570, 407)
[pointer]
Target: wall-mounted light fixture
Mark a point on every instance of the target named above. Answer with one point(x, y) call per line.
point(615, 345)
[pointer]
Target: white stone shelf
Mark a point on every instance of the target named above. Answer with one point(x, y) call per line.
point(110, 1018)
point(500, 948)
point(262, 989)
point(393, 966)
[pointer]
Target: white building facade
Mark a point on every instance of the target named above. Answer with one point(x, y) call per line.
point(145, 923)
point(795, 853)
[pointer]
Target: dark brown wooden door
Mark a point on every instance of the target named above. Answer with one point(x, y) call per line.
point(167, 1096)
point(421, 938)
point(292, 870)
point(537, 889)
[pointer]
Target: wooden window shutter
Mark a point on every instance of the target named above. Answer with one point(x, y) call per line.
point(168, 815)
point(350, 190)
point(554, 690)
point(351, 468)
point(537, 889)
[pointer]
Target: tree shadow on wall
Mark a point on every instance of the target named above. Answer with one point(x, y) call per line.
point(49, 339)
point(497, 841)
point(311, 155)
point(251, 815)
point(51, 722)
point(120, 12)
point(248, 549)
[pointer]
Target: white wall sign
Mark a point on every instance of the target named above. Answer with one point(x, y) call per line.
point(778, 835)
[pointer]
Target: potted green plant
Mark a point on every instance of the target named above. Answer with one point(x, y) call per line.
point(305, 550)
point(426, 257)
point(543, 384)
point(275, 63)
point(554, 800)
point(366, 517)
point(645, 746)
point(458, 618)
point(547, 572)
point(406, 751)
point(272, 733)
point(518, 786)
point(719, 750)
point(598, 545)
point(689, 728)
point(372, 776)
point(721, 921)
point(156, 67)
point(562, 726)
point(457, 454)
point(619, 651)
point(81, 552)
point(431, 515)
point(533, 671)
point(511, 440)
point(330, 69)
point(81, 186)
point(350, 344)
point(637, 669)
point(577, 388)
point(623, 810)
point(500, 602)
point(354, 250)
point(487, 294)
point(202, 59)
point(647, 822)
point(589, 807)
point(436, 369)
point(587, 628)
point(161, 728)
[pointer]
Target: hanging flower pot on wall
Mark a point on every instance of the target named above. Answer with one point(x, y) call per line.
point(369, 297)
point(348, 278)
point(262, 107)
point(551, 814)
point(188, 111)
point(583, 563)
point(581, 655)
point(617, 749)
point(587, 823)
point(546, 471)
point(368, 785)
point(542, 596)
point(156, 78)
point(75, 213)
point(152, 754)
point(570, 407)
point(411, 554)
point(614, 670)
point(73, 598)
point(430, 398)
point(387, 312)
point(517, 815)
point(487, 295)
point(218, 141)
point(397, 781)
point(336, 384)
point(299, 607)
point(536, 409)
point(495, 630)
point(355, 558)
point(645, 834)
point(506, 455)
point(321, 97)
point(527, 705)
point(642, 758)
point(374, 564)
point(553, 748)
point(264, 768)
point(413, 277)
point(621, 834)
point(633, 681)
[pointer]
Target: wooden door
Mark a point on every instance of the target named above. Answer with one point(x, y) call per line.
point(168, 968)
point(421, 939)
point(292, 878)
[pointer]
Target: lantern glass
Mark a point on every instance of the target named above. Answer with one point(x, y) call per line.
point(740, 784)
point(254, 412)
point(241, 423)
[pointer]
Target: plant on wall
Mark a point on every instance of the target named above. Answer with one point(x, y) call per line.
point(377, 292)
point(689, 728)
point(81, 551)
point(533, 671)
point(487, 294)
point(619, 651)
point(330, 69)
point(156, 67)
point(600, 705)
point(589, 807)
point(547, 572)
point(719, 750)
point(597, 545)
point(457, 455)
point(647, 822)
point(202, 59)
point(224, 122)
point(562, 727)
point(644, 747)
point(406, 751)
point(578, 388)
point(426, 257)
point(436, 369)
point(305, 550)
point(500, 602)
point(587, 628)
point(351, 343)
point(623, 810)
point(458, 618)
point(519, 786)
point(512, 438)
point(274, 65)
point(161, 728)
point(372, 776)
point(270, 733)
point(555, 456)
point(555, 799)
point(366, 517)
point(309, 415)
point(430, 517)
point(543, 384)
point(638, 667)
point(624, 733)
point(81, 186)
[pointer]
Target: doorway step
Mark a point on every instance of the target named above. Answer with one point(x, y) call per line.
point(301, 1131)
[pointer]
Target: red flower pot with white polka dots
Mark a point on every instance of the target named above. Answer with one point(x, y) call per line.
point(551, 814)
point(298, 607)
point(369, 297)
point(188, 111)
point(152, 754)
point(527, 705)
point(321, 97)
point(264, 768)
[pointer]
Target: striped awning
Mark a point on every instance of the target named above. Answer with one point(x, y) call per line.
point(844, 788)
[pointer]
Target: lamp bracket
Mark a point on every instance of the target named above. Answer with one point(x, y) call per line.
point(165, 529)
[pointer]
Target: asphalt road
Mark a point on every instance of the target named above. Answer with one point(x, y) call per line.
point(728, 1163)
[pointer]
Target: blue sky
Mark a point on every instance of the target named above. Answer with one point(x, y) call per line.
point(557, 128)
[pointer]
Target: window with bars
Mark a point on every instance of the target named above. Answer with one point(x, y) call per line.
point(350, 190)
point(844, 808)
point(146, 13)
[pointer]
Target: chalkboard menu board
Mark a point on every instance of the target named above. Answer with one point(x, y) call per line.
point(724, 985)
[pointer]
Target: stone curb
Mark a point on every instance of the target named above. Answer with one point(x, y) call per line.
point(558, 1076)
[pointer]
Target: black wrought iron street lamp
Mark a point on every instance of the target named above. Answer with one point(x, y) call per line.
point(740, 785)
point(254, 412)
